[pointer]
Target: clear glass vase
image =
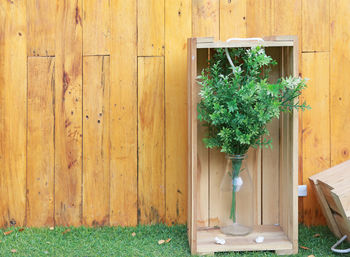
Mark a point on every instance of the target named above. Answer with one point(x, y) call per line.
point(236, 189)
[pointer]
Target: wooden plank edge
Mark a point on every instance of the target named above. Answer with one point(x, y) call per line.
point(281, 38)
point(332, 225)
point(245, 43)
point(192, 119)
point(201, 40)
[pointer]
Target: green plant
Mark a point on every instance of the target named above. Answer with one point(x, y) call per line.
point(237, 102)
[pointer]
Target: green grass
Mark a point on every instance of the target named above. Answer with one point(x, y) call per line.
point(118, 241)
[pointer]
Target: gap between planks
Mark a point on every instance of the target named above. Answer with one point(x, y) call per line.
point(41, 56)
point(86, 55)
point(315, 51)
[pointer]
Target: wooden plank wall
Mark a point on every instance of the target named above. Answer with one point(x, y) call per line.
point(93, 120)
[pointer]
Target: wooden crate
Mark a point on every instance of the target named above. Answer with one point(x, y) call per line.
point(274, 171)
point(333, 193)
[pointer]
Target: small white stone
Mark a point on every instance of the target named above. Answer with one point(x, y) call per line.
point(220, 241)
point(259, 239)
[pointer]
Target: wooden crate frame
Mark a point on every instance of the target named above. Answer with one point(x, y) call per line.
point(333, 193)
point(282, 236)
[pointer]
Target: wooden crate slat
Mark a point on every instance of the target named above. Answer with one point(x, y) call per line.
point(202, 154)
point(274, 239)
point(192, 145)
point(270, 156)
point(332, 225)
point(333, 192)
point(245, 43)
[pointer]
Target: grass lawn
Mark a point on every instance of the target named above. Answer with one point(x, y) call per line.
point(117, 241)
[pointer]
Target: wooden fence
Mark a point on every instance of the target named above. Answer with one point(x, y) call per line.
point(93, 121)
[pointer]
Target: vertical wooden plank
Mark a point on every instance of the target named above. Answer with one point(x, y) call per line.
point(150, 27)
point(270, 177)
point(205, 23)
point(233, 19)
point(192, 143)
point(259, 18)
point(68, 114)
point(96, 140)
point(13, 102)
point(151, 177)
point(177, 30)
point(290, 152)
point(315, 25)
point(206, 18)
point(40, 142)
point(316, 131)
point(254, 166)
point(217, 206)
point(270, 157)
point(96, 29)
point(41, 27)
point(202, 175)
point(339, 81)
point(123, 114)
point(286, 20)
point(286, 17)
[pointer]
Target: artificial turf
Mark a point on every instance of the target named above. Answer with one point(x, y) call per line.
point(120, 241)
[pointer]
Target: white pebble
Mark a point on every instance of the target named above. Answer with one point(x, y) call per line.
point(220, 241)
point(259, 239)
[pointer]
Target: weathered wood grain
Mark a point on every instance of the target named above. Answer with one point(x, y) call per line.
point(150, 27)
point(97, 27)
point(41, 142)
point(41, 30)
point(286, 18)
point(233, 22)
point(316, 131)
point(123, 114)
point(177, 30)
point(270, 177)
point(259, 18)
point(339, 81)
point(68, 113)
point(54, 28)
point(271, 156)
point(206, 18)
point(96, 191)
point(315, 25)
point(13, 102)
point(202, 158)
point(151, 173)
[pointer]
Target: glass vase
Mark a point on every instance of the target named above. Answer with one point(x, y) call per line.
point(236, 190)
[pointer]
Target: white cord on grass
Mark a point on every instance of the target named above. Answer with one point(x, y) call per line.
point(338, 243)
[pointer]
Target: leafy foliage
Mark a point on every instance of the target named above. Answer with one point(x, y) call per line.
point(237, 102)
